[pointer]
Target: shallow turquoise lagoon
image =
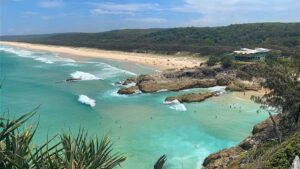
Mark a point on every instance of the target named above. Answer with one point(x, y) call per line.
point(141, 125)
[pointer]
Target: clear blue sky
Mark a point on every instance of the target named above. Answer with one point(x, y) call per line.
point(53, 16)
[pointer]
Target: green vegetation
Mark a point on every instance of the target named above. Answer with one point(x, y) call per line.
point(160, 162)
point(226, 62)
point(205, 41)
point(282, 79)
point(213, 60)
point(80, 152)
point(273, 154)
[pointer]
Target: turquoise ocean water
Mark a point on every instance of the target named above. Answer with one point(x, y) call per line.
point(141, 125)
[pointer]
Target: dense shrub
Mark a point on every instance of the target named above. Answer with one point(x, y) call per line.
point(213, 60)
point(226, 62)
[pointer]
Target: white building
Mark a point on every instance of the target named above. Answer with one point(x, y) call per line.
point(246, 51)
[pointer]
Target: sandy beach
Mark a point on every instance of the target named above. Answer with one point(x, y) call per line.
point(248, 94)
point(160, 62)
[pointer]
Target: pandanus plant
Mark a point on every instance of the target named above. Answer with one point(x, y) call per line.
point(79, 152)
point(160, 162)
point(67, 152)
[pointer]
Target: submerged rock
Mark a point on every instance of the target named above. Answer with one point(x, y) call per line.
point(71, 79)
point(191, 97)
point(130, 80)
point(128, 90)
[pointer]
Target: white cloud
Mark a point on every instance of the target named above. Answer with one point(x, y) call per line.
point(115, 8)
point(223, 12)
point(51, 3)
point(203, 6)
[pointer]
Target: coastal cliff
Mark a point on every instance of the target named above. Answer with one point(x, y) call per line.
point(260, 150)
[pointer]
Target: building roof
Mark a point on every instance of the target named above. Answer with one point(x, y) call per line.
point(251, 51)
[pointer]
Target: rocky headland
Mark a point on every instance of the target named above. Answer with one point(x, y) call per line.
point(227, 158)
point(260, 150)
point(188, 78)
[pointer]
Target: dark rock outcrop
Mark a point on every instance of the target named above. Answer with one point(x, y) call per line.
point(128, 90)
point(187, 78)
point(130, 80)
point(176, 85)
point(71, 79)
point(221, 159)
point(240, 86)
point(225, 78)
point(234, 88)
point(191, 97)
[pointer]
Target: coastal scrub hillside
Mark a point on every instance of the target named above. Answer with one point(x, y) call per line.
point(275, 142)
point(203, 41)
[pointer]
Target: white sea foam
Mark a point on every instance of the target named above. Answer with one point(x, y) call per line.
point(19, 52)
point(63, 59)
point(176, 105)
point(220, 89)
point(109, 71)
point(120, 84)
point(44, 60)
point(70, 64)
point(44, 57)
point(83, 76)
point(86, 100)
point(162, 90)
point(130, 84)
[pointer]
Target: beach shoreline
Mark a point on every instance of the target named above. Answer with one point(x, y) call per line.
point(161, 62)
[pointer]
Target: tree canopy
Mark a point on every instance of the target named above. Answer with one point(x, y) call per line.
point(205, 40)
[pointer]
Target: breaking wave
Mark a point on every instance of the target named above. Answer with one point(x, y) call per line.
point(217, 89)
point(109, 71)
point(44, 57)
point(86, 100)
point(84, 76)
point(176, 105)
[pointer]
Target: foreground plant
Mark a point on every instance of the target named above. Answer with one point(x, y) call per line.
point(160, 162)
point(17, 152)
point(79, 152)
